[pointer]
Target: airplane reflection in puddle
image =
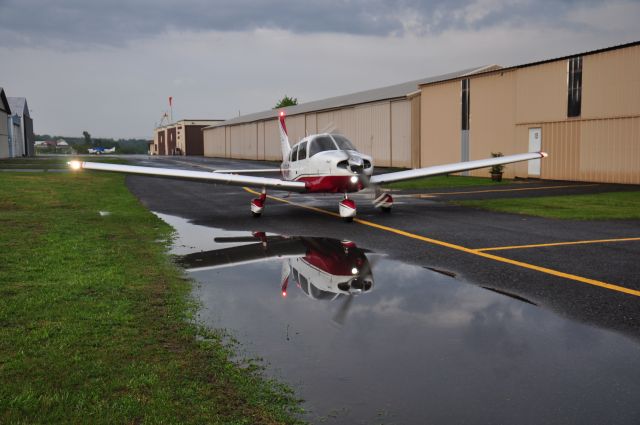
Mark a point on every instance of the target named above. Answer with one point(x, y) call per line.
point(323, 268)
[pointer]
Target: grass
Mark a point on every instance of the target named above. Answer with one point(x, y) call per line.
point(440, 182)
point(97, 322)
point(49, 162)
point(602, 206)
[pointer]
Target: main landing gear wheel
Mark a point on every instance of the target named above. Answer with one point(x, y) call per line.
point(347, 209)
point(384, 201)
point(257, 204)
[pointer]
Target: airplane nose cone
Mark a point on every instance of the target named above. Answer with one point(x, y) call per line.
point(356, 164)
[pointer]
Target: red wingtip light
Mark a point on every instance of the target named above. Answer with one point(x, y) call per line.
point(544, 154)
point(284, 294)
point(282, 113)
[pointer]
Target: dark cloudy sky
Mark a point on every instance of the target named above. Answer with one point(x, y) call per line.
point(108, 67)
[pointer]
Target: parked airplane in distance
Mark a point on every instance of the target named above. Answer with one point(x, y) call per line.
point(100, 150)
point(320, 163)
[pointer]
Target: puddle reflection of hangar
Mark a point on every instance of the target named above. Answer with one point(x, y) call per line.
point(583, 109)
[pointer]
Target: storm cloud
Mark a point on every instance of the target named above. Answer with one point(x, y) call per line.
point(114, 23)
point(108, 67)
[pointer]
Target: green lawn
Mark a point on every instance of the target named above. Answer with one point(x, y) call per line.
point(441, 182)
point(602, 206)
point(50, 162)
point(96, 321)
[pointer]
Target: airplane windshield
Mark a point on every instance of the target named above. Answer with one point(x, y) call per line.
point(321, 144)
point(343, 143)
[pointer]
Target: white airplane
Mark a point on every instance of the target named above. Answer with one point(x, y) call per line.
point(101, 150)
point(320, 163)
point(324, 269)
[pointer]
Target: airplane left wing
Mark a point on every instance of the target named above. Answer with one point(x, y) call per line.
point(174, 173)
point(453, 168)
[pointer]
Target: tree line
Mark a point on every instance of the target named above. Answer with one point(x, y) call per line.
point(82, 144)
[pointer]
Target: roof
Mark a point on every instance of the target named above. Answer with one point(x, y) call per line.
point(4, 104)
point(18, 106)
point(395, 91)
point(542, 62)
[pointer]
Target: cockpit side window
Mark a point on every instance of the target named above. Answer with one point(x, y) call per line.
point(321, 144)
point(343, 143)
point(302, 150)
point(294, 154)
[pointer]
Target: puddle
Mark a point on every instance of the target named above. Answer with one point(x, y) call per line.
point(364, 339)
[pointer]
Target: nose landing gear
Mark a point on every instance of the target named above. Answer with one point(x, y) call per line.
point(347, 209)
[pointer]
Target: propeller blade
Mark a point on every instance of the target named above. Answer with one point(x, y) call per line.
point(341, 314)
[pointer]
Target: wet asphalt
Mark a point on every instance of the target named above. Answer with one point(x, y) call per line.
point(615, 263)
point(550, 349)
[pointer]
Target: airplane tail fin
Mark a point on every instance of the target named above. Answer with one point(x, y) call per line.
point(284, 138)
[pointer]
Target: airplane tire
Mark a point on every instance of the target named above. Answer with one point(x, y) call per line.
point(255, 214)
point(386, 209)
point(347, 219)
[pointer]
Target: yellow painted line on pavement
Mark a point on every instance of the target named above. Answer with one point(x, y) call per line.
point(428, 195)
point(541, 245)
point(546, 270)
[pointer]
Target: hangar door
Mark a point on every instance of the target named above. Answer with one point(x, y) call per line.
point(535, 145)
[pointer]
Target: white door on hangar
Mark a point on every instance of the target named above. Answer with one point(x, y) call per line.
point(535, 145)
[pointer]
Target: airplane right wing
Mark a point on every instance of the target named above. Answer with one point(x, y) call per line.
point(453, 168)
point(175, 173)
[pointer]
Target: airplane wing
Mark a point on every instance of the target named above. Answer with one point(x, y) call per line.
point(453, 168)
point(278, 248)
point(174, 173)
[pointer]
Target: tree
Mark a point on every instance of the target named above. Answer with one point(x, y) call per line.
point(286, 101)
point(87, 138)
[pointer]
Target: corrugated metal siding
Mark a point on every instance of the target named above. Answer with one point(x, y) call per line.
point(345, 122)
point(401, 133)
point(214, 142)
point(272, 151)
point(372, 131)
point(296, 128)
point(312, 125)
point(4, 134)
point(236, 141)
point(261, 140)
point(491, 126)
point(606, 150)
point(440, 124)
point(610, 150)
point(415, 131)
point(541, 93)
point(561, 141)
point(324, 122)
point(611, 84)
point(249, 141)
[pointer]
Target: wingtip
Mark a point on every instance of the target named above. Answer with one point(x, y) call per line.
point(544, 154)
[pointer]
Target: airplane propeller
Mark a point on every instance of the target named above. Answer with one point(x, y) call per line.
point(341, 314)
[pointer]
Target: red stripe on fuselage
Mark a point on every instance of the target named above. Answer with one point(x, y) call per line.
point(331, 184)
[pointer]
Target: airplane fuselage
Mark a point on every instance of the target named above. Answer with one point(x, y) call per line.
point(327, 163)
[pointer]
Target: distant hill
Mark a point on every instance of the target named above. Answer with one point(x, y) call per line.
point(80, 145)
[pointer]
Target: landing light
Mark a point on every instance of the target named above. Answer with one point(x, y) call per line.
point(354, 271)
point(75, 165)
point(282, 113)
point(284, 294)
point(354, 179)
